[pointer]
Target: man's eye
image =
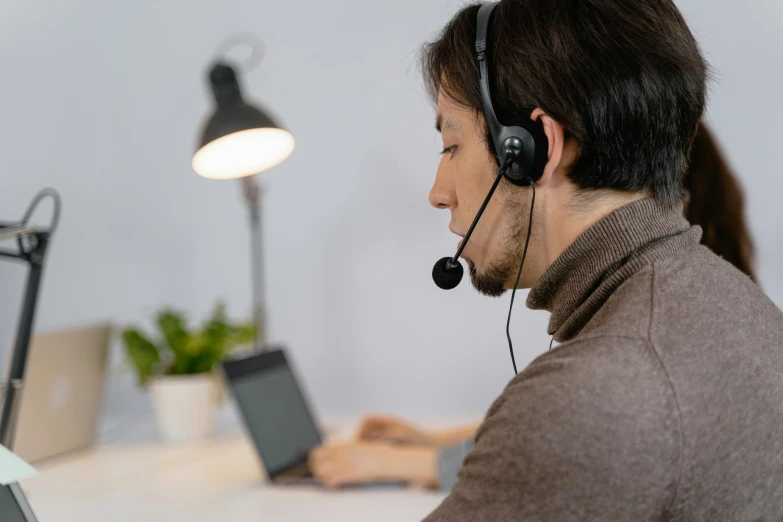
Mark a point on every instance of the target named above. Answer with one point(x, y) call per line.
point(449, 150)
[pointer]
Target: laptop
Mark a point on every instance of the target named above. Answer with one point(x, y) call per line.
point(276, 414)
point(14, 506)
point(62, 392)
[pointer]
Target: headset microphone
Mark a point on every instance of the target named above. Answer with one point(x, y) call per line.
point(447, 272)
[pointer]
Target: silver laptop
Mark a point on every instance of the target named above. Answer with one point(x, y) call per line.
point(62, 393)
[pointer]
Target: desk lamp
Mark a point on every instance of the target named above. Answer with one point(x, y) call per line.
point(238, 141)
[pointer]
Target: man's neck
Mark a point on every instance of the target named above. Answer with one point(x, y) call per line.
point(567, 216)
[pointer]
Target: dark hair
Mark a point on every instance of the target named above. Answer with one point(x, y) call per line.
point(716, 203)
point(625, 78)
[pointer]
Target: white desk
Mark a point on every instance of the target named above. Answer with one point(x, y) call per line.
point(220, 480)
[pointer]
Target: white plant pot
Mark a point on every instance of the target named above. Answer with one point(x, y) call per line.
point(185, 406)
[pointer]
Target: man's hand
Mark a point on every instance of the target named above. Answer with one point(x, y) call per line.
point(357, 462)
point(392, 429)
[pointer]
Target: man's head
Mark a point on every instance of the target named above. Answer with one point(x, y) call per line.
point(619, 87)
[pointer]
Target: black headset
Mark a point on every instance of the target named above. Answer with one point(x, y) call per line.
point(523, 143)
point(521, 151)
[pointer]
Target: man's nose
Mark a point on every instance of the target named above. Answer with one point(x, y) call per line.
point(442, 193)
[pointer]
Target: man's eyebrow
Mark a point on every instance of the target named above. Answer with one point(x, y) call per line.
point(442, 123)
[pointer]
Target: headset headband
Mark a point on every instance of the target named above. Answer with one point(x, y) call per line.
point(482, 28)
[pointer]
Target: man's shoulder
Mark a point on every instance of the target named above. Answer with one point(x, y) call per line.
point(702, 296)
point(704, 274)
point(695, 287)
point(599, 404)
point(699, 272)
point(593, 378)
point(575, 428)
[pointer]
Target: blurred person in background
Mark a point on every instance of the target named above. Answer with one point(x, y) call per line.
point(390, 448)
point(715, 202)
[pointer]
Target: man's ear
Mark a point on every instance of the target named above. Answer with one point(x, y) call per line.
point(556, 137)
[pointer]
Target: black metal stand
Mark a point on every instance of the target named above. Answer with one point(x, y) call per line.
point(37, 243)
point(31, 249)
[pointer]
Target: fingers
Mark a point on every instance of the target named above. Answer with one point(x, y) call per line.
point(351, 462)
point(371, 427)
point(316, 457)
point(328, 466)
point(330, 476)
point(375, 427)
point(319, 463)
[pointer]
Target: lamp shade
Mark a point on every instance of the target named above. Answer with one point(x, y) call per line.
point(238, 140)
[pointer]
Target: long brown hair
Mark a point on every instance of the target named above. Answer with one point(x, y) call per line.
point(717, 203)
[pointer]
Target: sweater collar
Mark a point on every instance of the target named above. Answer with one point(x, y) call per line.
point(583, 277)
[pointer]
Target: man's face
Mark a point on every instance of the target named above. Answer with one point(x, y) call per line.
point(465, 175)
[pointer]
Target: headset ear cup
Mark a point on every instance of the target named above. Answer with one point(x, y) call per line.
point(529, 164)
point(541, 155)
point(535, 170)
point(515, 173)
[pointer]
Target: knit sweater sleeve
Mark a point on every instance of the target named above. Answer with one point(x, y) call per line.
point(587, 432)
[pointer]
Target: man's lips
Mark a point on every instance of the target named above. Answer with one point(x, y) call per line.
point(459, 245)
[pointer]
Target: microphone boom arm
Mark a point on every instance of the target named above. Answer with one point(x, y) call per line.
point(483, 207)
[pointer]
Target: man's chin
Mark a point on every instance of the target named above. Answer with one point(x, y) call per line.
point(490, 282)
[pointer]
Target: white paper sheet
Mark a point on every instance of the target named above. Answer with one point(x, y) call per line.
point(13, 468)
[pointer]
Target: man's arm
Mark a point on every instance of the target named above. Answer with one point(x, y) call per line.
point(586, 433)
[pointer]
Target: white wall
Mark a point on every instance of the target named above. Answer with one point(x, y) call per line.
point(102, 101)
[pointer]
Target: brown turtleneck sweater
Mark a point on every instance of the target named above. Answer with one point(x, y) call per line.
point(664, 401)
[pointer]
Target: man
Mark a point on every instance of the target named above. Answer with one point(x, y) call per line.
point(664, 399)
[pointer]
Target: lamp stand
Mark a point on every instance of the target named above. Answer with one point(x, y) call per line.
point(254, 193)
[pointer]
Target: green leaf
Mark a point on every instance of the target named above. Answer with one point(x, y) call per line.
point(216, 333)
point(142, 353)
point(189, 352)
point(173, 327)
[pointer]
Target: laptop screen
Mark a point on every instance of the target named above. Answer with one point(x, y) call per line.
point(274, 409)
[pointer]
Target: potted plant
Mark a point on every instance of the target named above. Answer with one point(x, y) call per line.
point(178, 369)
